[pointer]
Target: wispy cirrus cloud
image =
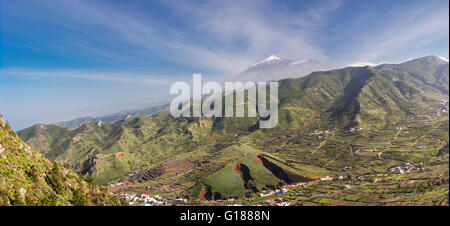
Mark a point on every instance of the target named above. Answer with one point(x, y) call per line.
point(225, 37)
point(222, 36)
point(253, 29)
point(120, 77)
point(408, 32)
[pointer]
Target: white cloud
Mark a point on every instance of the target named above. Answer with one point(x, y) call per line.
point(371, 64)
point(362, 64)
point(263, 30)
point(121, 77)
point(217, 27)
point(409, 29)
point(443, 58)
point(228, 36)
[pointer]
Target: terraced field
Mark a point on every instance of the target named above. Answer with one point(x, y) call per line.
point(352, 136)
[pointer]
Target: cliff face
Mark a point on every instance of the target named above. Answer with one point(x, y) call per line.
point(27, 178)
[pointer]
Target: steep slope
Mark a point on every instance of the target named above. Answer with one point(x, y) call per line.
point(366, 95)
point(398, 90)
point(110, 151)
point(426, 73)
point(374, 98)
point(242, 170)
point(27, 178)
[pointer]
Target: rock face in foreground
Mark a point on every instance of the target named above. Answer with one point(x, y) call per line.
point(27, 178)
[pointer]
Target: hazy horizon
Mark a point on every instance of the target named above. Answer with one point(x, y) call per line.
point(64, 59)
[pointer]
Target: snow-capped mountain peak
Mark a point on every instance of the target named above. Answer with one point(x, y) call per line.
point(271, 58)
point(275, 68)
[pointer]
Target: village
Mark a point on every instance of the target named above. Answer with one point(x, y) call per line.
point(275, 197)
point(338, 182)
point(147, 200)
point(156, 200)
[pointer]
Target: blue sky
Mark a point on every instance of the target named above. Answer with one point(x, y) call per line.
point(62, 59)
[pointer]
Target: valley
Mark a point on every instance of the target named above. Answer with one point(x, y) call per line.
point(350, 136)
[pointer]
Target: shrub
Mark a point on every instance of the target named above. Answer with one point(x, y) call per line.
point(78, 198)
point(54, 178)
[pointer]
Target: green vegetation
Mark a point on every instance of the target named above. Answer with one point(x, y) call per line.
point(352, 123)
point(27, 178)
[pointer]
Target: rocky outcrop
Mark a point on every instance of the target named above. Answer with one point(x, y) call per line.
point(244, 172)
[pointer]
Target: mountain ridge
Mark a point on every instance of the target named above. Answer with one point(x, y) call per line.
point(113, 117)
point(297, 69)
point(336, 101)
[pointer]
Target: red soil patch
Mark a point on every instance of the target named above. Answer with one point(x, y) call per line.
point(258, 159)
point(202, 194)
point(237, 168)
point(178, 165)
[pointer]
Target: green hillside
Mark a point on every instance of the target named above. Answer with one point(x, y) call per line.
point(346, 118)
point(27, 178)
